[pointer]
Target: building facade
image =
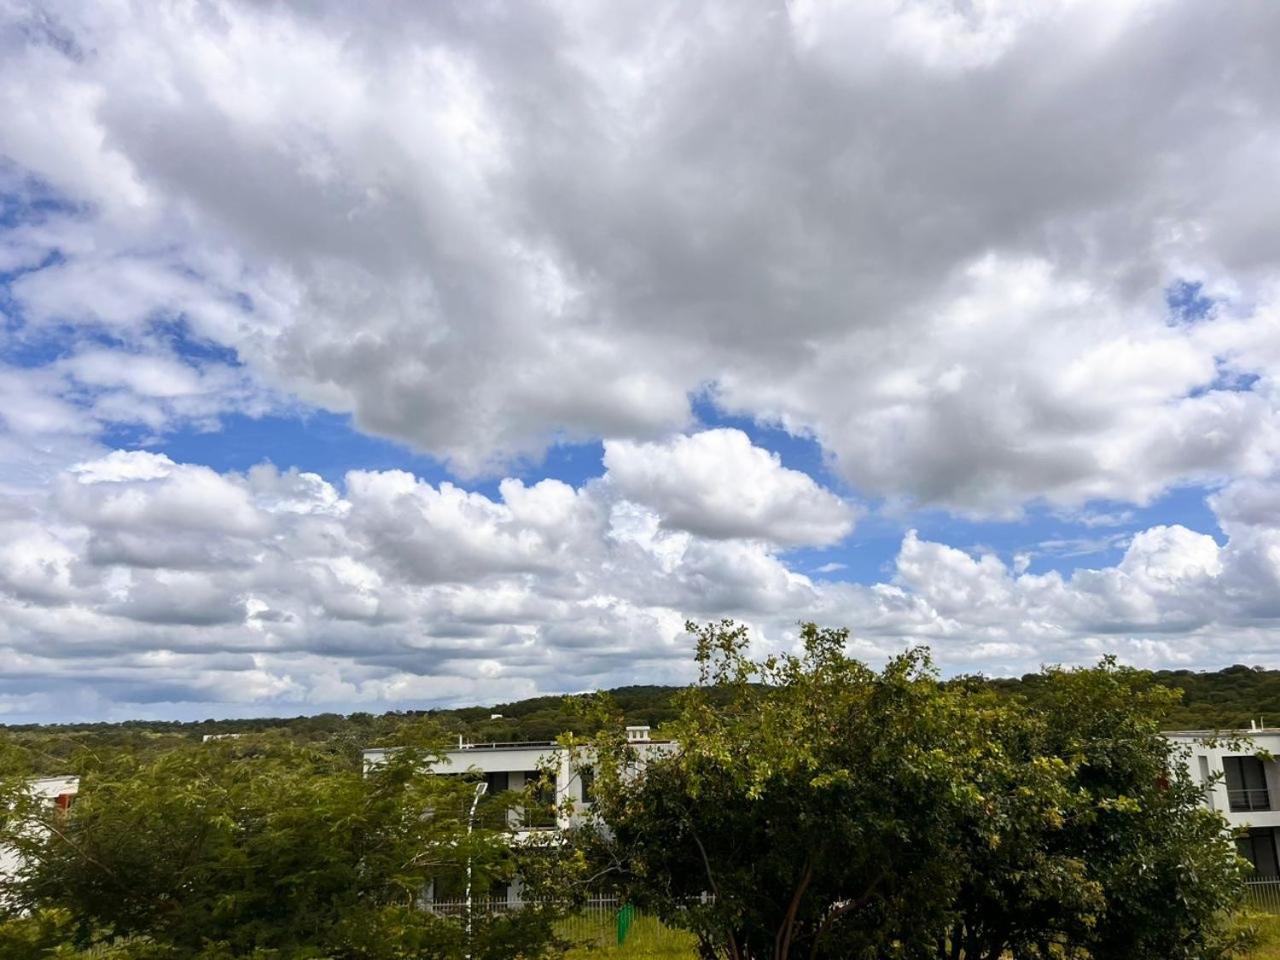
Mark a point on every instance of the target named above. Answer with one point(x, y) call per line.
point(1243, 784)
point(514, 766)
point(58, 792)
point(561, 780)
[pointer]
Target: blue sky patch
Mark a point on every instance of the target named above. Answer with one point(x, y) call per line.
point(1187, 301)
point(314, 442)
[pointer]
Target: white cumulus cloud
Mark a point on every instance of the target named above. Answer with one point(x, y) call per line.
point(718, 484)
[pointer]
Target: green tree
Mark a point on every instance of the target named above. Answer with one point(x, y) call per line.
point(264, 848)
point(812, 807)
point(1158, 855)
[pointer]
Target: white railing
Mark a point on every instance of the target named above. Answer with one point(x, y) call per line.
point(1264, 895)
point(1248, 799)
point(483, 906)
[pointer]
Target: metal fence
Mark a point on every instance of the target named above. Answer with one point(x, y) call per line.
point(1264, 895)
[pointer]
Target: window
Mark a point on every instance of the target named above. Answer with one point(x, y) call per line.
point(1205, 782)
point(542, 796)
point(1246, 784)
point(492, 809)
point(449, 885)
point(588, 777)
point(498, 782)
point(1259, 848)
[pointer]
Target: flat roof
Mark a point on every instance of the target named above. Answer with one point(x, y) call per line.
point(1228, 732)
point(468, 747)
point(501, 745)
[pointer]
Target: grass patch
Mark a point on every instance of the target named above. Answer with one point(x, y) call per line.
point(597, 939)
point(1268, 927)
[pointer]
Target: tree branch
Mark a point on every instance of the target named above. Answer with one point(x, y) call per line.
point(847, 907)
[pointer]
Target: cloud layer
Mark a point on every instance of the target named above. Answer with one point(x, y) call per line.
point(937, 239)
point(137, 580)
point(991, 258)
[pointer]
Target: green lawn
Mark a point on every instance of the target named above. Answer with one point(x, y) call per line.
point(646, 940)
point(649, 940)
point(1268, 926)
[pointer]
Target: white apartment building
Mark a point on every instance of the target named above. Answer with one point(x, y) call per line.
point(514, 766)
point(58, 792)
point(507, 767)
point(504, 767)
point(1242, 784)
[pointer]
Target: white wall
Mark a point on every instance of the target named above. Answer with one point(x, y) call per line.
point(48, 789)
point(1216, 798)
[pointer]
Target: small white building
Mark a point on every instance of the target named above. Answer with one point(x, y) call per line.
point(510, 767)
point(514, 766)
point(1243, 784)
point(59, 792)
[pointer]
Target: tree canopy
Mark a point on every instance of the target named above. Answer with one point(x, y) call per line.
point(256, 848)
point(814, 807)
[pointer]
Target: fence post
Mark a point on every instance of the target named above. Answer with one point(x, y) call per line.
point(626, 913)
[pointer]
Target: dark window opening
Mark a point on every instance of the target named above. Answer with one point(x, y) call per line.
point(1246, 784)
point(498, 782)
point(1259, 848)
point(541, 799)
point(494, 804)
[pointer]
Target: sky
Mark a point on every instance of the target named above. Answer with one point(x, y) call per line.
point(365, 357)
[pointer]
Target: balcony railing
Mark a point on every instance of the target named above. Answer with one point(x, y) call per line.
point(1244, 800)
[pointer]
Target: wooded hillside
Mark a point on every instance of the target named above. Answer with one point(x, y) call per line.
point(1225, 698)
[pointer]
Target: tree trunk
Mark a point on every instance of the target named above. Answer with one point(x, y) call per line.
point(782, 942)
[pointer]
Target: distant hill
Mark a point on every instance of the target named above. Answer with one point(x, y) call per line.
point(1220, 699)
point(1224, 698)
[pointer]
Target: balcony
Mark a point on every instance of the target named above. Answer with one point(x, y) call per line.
point(1246, 784)
point(1244, 800)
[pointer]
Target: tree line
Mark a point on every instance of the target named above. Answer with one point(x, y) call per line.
point(1221, 699)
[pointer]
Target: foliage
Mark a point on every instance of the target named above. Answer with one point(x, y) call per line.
point(259, 848)
point(819, 809)
point(1020, 806)
point(1261, 933)
point(1145, 835)
point(1214, 700)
